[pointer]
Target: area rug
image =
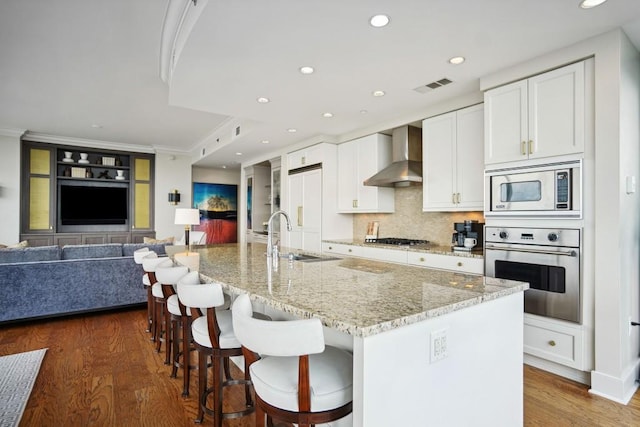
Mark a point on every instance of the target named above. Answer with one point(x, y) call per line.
point(18, 373)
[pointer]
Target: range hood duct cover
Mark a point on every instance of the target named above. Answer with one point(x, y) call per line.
point(406, 168)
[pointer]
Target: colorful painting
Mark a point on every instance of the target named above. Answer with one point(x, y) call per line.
point(218, 211)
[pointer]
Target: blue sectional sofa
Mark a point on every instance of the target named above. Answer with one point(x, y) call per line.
point(48, 281)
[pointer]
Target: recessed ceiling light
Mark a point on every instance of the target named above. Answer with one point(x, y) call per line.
point(224, 166)
point(379, 21)
point(327, 115)
point(238, 154)
point(306, 70)
point(363, 111)
point(588, 4)
point(96, 126)
point(265, 141)
point(456, 60)
point(292, 130)
point(263, 100)
point(378, 93)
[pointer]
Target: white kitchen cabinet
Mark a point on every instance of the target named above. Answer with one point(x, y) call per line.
point(305, 210)
point(368, 252)
point(542, 116)
point(453, 169)
point(555, 340)
point(459, 264)
point(341, 249)
point(358, 160)
point(305, 157)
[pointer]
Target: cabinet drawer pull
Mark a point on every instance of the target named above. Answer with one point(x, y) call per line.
point(459, 264)
point(453, 198)
point(523, 149)
point(552, 343)
point(299, 216)
point(530, 147)
point(458, 198)
point(303, 160)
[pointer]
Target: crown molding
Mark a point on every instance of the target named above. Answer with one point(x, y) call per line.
point(12, 132)
point(89, 143)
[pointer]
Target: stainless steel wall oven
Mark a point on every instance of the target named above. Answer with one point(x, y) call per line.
point(549, 259)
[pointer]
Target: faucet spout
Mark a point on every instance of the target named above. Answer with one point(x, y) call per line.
point(270, 245)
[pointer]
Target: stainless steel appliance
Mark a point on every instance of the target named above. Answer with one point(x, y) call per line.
point(396, 241)
point(547, 258)
point(468, 229)
point(543, 190)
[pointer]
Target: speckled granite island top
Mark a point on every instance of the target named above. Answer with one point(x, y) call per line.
point(356, 296)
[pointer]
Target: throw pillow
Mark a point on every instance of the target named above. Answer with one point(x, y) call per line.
point(150, 241)
point(22, 244)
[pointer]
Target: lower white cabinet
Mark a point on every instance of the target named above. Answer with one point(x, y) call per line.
point(459, 264)
point(341, 249)
point(555, 340)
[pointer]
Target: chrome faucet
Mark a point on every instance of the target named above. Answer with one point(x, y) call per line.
point(271, 248)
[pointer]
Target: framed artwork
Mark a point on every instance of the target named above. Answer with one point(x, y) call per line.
point(218, 206)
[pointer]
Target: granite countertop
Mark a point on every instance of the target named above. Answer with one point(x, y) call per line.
point(428, 248)
point(356, 296)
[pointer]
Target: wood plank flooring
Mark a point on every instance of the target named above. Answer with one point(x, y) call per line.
point(102, 370)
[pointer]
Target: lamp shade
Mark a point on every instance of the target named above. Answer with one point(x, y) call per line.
point(187, 216)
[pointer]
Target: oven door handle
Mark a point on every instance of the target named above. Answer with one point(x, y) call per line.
point(570, 252)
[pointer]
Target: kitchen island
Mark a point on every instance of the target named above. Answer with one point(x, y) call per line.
point(430, 347)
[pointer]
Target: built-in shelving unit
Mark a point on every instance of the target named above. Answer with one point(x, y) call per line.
point(50, 171)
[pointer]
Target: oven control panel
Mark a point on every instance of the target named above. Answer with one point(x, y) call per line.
point(567, 237)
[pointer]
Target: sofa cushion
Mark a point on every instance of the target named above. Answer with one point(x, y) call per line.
point(129, 248)
point(30, 254)
point(109, 250)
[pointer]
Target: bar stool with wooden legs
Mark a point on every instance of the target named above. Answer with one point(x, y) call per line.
point(168, 278)
point(213, 337)
point(181, 331)
point(297, 379)
point(150, 265)
point(138, 256)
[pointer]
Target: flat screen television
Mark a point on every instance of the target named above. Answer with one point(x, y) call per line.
point(85, 205)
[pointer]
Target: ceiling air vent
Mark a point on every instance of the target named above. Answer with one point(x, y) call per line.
point(433, 85)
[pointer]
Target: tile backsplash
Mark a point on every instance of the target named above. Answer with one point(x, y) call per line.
point(408, 221)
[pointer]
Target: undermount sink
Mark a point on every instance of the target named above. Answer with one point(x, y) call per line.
point(308, 258)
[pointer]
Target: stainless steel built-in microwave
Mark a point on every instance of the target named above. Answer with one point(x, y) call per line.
point(543, 190)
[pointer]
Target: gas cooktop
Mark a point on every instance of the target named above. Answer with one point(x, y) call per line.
point(397, 241)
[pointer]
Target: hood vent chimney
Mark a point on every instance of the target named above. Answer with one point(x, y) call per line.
point(406, 168)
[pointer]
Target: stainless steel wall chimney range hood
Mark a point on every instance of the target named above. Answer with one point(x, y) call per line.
point(406, 168)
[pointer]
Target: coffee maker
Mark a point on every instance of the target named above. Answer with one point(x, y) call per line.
point(468, 229)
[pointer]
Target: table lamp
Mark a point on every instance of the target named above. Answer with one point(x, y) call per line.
point(187, 217)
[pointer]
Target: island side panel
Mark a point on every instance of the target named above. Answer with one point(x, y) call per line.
point(479, 382)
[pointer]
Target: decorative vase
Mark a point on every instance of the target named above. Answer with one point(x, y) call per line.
point(88, 173)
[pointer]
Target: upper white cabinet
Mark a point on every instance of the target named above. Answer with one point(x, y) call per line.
point(453, 169)
point(305, 157)
point(542, 116)
point(358, 160)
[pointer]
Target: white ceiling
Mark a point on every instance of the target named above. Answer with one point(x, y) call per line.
point(69, 64)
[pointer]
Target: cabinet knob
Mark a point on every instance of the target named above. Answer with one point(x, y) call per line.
point(330, 248)
point(421, 259)
point(350, 250)
point(459, 264)
point(552, 343)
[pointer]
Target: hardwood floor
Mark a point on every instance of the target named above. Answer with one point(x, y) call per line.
point(101, 370)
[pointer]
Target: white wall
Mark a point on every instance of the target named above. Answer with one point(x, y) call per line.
point(173, 172)
point(10, 185)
